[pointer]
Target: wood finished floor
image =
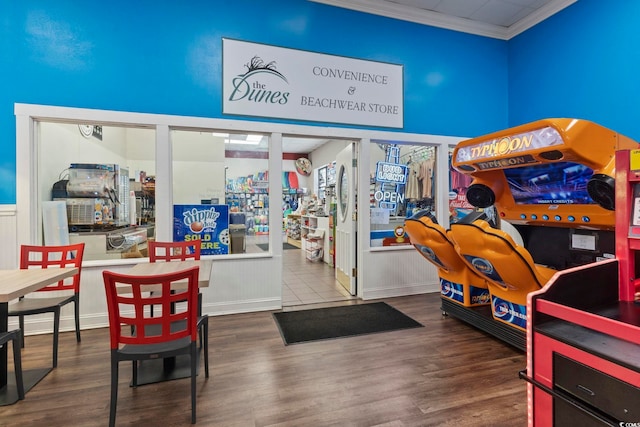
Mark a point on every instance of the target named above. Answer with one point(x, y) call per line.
point(445, 374)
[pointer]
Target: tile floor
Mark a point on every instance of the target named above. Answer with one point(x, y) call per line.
point(304, 282)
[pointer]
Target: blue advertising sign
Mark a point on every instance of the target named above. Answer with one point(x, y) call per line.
point(391, 172)
point(208, 223)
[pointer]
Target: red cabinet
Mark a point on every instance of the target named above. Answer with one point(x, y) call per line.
point(583, 339)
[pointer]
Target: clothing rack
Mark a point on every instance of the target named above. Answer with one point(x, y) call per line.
point(418, 154)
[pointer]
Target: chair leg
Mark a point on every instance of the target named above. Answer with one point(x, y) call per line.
point(199, 315)
point(56, 331)
point(76, 304)
point(114, 389)
point(205, 345)
point(194, 360)
point(17, 364)
point(134, 373)
point(21, 326)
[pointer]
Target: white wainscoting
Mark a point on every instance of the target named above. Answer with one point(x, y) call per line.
point(8, 237)
point(236, 286)
point(393, 273)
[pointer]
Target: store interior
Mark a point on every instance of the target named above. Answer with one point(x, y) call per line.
point(116, 221)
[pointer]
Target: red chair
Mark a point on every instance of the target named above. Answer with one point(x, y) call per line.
point(45, 257)
point(181, 251)
point(170, 251)
point(171, 334)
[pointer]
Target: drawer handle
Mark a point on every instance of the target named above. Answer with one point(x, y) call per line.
point(573, 402)
point(585, 390)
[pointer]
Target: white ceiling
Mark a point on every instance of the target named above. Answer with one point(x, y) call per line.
point(301, 145)
point(289, 144)
point(501, 19)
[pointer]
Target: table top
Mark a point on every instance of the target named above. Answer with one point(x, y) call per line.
point(19, 282)
point(152, 268)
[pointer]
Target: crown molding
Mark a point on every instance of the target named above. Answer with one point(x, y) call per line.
point(538, 16)
point(436, 19)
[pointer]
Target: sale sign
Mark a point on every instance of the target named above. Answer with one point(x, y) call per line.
point(207, 223)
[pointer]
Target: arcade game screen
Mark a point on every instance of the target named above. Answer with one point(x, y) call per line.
point(553, 183)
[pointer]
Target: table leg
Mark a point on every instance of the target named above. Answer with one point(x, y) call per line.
point(4, 327)
point(31, 377)
point(170, 368)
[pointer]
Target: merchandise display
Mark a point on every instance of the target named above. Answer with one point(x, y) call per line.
point(249, 195)
point(294, 230)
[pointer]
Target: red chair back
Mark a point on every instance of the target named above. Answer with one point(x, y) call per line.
point(168, 251)
point(32, 256)
point(128, 297)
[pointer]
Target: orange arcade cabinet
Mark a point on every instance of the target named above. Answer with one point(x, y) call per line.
point(554, 181)
point(459, 283)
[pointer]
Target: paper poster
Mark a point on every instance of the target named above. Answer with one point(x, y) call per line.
point(208, 223)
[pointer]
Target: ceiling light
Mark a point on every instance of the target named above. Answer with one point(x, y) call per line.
point(242, 141)
point(254, 139)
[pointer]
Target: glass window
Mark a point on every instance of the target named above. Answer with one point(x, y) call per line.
point(403, 181)
point(221, 190)
point(459, 207)
point(95, 185)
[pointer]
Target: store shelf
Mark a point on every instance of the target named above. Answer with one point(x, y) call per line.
point(294, 230)
point(310, 225)
point(294, 242)
point(256, 208)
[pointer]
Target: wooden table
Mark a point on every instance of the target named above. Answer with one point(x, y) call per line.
point(153, 371)
point(152, 268)
point(14, 284)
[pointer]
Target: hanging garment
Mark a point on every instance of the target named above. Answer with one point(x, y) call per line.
point(459, 180)
point(413, 185)
point(426, 177)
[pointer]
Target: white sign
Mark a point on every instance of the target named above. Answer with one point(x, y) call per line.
point(269, 81)
point(379, 216)
point(583, 241)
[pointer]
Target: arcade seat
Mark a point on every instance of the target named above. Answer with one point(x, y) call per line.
point(508, 267)
point(458, 282)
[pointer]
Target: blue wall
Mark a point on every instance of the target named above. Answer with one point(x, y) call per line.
point(584, 63)
point(165, 57)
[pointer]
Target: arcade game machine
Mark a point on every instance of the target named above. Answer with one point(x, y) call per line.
point(583, 339)
point(553, 180)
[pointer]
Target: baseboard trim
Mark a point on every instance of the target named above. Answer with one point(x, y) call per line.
point(416, 289)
